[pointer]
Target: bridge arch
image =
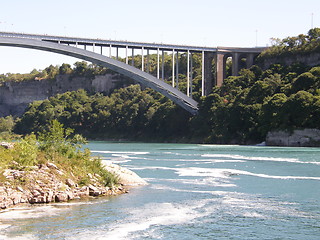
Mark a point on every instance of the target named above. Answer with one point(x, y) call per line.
point(139, 76)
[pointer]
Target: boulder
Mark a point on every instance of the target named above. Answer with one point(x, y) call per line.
point(70, 195)
point(49, 196)
point(16, 197)
point(81, 192)
point(52, 166)
point(94, 191)
point(126, 176)
point(61, 197)
point(70, 183)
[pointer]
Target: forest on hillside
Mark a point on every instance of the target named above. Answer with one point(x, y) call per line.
point(243, 110)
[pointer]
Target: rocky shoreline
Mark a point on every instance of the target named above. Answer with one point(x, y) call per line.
point(43, 184)
point(296, 138)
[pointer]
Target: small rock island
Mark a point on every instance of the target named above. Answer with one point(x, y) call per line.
point(52, 167)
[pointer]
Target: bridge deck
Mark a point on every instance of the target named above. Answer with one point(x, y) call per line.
point(124, 44)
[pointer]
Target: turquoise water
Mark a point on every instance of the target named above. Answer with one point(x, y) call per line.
point(194, 192)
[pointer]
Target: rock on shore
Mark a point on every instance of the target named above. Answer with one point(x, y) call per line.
point(126, 177)
point(42, 184)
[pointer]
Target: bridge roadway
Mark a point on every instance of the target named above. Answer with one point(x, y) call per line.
point(70, 46)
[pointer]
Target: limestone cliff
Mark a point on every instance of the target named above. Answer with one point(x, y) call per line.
point(308, 59)
point(15, 96)
point(296, 138)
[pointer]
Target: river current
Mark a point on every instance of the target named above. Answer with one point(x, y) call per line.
point(194, 192)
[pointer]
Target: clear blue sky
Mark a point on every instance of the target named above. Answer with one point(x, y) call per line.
point(234, 23)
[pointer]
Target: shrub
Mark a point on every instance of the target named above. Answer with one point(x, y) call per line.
point(25, 151)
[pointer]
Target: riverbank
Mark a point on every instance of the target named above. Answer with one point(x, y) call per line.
point(43, 184)
point(308, 137)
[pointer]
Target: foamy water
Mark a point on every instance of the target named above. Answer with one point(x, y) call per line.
point(194, 192)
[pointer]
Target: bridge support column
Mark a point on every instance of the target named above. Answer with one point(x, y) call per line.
point(162, 65)
point(202, 73)
point(173, 58)
point(191, 73)
point(177, 70)
point(142, 59)
point(220, 69)
point(188, 73)
point(117, 53)
point(250, 60)
point(148, 62)
point(207, 73)
point(132, 60)
point(127, 59)
point(235, 64)
point(158, 64)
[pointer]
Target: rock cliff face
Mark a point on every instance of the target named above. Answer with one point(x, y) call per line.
point(312, 59)
point(15, 96)
point(297, 138)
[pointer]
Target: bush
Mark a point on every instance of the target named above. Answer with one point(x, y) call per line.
point(6, 124)
point(26, 151)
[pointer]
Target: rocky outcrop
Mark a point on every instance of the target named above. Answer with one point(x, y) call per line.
point(310, 59)
point(296, 138)
point(126, 177)
point(46, 183)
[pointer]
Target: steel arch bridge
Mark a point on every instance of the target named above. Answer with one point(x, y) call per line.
point(139, 76)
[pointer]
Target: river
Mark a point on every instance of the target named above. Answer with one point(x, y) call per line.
point(194, 192)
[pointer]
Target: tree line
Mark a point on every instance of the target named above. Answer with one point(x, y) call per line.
point(243, 110)
point(301, 44)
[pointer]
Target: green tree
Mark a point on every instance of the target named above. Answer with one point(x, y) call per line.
point(59, 140)
point(305, 81)
point(65, 69)
point(298, 109)
point(80, 68)
point(272, 117)
point(314, 34)
point(6, 124)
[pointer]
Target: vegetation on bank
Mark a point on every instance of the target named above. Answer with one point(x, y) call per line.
point(301, 44)
point(248, 106)
point(59, 146)
point(128, 113)
point(243, 110)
